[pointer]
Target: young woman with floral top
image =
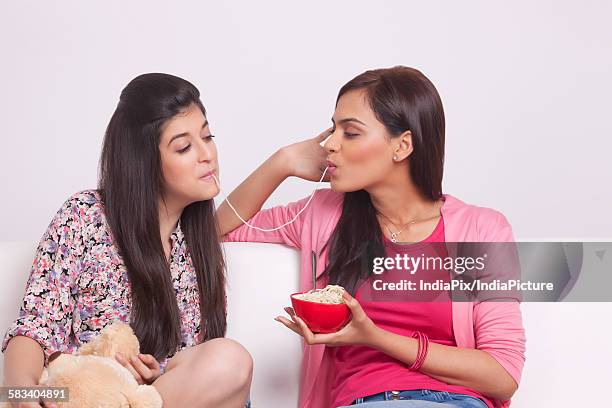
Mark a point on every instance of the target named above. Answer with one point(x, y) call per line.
point(142, 249)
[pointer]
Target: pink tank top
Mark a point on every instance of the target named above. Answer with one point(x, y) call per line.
point(362, 371)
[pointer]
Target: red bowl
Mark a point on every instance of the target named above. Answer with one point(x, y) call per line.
point(321, 317)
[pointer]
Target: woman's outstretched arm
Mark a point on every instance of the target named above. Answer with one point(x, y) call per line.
point(252, 193)
point(304, 159)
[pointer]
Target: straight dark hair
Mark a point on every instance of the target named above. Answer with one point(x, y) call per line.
point(402, 99)
point(131, 184)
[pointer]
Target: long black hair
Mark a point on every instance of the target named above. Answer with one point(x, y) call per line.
point(402, 99)
point(131, 183)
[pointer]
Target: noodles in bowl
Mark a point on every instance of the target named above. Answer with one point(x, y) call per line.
point(329, 294)
point(323, 310)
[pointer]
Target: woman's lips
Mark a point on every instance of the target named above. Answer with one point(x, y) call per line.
point(331, 167)
point(207, 176)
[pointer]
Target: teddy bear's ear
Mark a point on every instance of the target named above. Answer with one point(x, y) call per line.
point(123, 339)
point(117, 337)
point(145, 396)
point(102, 346)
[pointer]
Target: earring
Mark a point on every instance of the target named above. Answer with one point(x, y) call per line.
point(395, 158)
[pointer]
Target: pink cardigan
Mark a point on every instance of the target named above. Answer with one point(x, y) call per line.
point(494, 327)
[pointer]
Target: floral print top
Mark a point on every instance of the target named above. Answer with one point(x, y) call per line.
point(78, 283)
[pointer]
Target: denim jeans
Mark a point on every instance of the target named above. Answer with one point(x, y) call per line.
point(418, 399)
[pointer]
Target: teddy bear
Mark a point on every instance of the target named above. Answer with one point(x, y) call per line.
point(95, 379)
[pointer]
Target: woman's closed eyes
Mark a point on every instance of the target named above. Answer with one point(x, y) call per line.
point(206, 138)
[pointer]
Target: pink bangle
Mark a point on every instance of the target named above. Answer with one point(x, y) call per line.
point(423, 346)
point(422, 350)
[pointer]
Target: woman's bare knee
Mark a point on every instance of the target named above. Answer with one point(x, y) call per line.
point(227, 360)
point(215, 373)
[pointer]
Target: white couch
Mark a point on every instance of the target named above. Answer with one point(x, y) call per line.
point(569, 357)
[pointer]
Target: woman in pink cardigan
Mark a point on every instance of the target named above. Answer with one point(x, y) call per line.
point(385, 155)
